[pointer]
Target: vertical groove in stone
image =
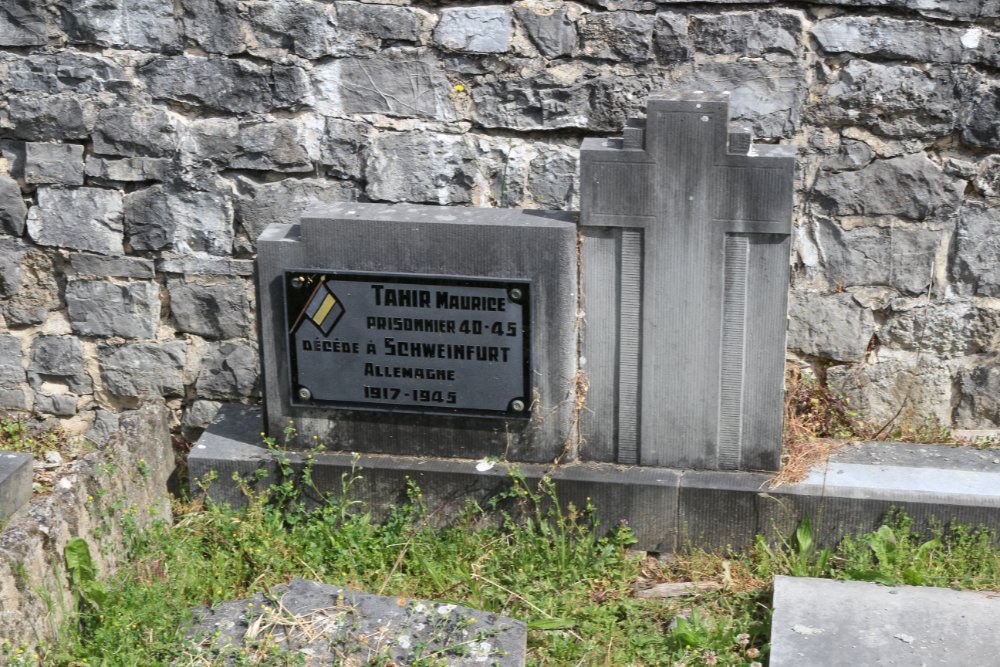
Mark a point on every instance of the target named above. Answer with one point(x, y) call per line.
point(629, 346)
point(733, 346)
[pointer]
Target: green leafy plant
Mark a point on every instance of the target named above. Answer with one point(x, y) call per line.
point(90, 593)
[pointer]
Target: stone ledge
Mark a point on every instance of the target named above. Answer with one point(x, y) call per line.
point(668, 509)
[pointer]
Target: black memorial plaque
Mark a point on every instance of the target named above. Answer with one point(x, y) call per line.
point(408, 343)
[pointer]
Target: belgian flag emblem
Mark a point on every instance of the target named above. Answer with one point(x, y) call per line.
point(323, 309)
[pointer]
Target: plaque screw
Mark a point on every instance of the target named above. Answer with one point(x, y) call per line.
point(517, 405)
point(297, 281)
point(515, 295)
point(305, 394)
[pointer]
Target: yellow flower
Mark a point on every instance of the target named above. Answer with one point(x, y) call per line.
point(459, 88)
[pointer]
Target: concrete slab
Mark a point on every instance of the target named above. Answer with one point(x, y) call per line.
point(15, 482)
point(668, 508)
point(860, 623)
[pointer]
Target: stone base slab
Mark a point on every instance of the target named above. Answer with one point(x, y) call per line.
point(668, 509)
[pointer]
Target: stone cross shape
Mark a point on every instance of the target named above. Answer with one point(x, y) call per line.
point(702, 221)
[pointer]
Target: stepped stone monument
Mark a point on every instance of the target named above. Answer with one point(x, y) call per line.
point(643, 337)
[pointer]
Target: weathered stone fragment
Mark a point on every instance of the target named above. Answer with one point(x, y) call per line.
point(60, 405)
point(129, 24)
point(206, 266)
point(979, 118)
point(14, 400)
point(105, 424)
point(987, 176)
point(909, 186)
point(747, 33)
point(143, 369)
point(60, 164)
point(395, 83)
point(66, 72)
point(13, 210)
point(383, 21)
point(261, 204)
point(902, 257)
point(851, 155)
point(910, 390)
point(977, 252)
point(133, 131)
point(59, 360)
point(979, 405)
point(218, 310)
point(420, 167)
point(197, 416)
point(553, 176)
point(483, 29)
point(251, 88)
point(39, 117)
point(157, 218)
point(670, 31)
point(549, 26)
point(27, 283)
point(624, 36)
point(11, 361)
point(304, 28)
point(947, 329)
point(894, 100)
point(280, 145)
point(769, 96)
point(831, 326)
point(79, 219)
point(915, 40)
point(21, 24)
point(341, 148)
point(129, 169)
point(228, 371)
point(96, 266)
point(105, 309)
point(214, 139)
point(214, 25)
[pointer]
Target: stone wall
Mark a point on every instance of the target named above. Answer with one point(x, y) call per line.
point(146, 143)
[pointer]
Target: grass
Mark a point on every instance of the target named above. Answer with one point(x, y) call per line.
point(519, 556)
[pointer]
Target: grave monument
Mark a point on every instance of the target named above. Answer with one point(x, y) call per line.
point(611, 350)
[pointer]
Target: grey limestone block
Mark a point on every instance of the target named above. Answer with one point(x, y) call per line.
point(105, 425)
point(908, 389)
point(59, 359)
point(420, 167)
point(15, 400)
point(27, 283)
point(229, 370)
point(135, 132)
point(197, 416)
point(832, 326)
point(160, 218)
point(306, 29)
point(278, 145)
point(13, 210)
point(282, 202)
point(60, 405)
point(395, 82)
point(550, 27)
point(909, 186)
point(205, 266)
point(901, 39)
point(105, 309)
point(685, 280)
point(625, 36)
point(745, 34)
point(143, 369)
point(79, 219)
point(46, 73)
point(482, 29)
point(898, 256)
point(978, 117)
point(98, 266)
point(670, 37)
point(406, 24)
point(210, 139)
point(893, 99)
point(53, 163)
point(56, 117)
point(987, 176)
point(194, 80)
point(217, 310)
point(214, 25)
point(552, 178)
point(976, 266)
point(342, 147)
point(21, 25)
point(405, 238)
point(949, 329)
point(129, 24)
point(979, 400)
point(11, 361)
